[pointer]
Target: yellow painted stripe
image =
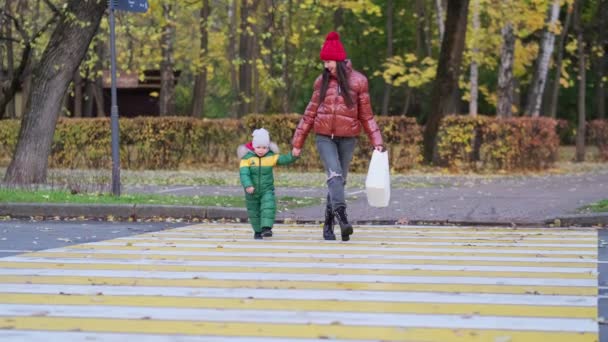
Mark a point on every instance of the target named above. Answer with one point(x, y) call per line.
point(288, 270)
point(90, 256)
point(304, 305)
point(304, 285)
point(338, 330)
point(226, 247)
point(387, 245)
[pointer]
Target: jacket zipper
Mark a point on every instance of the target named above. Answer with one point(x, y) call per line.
point(333, 118)
point(259, 173)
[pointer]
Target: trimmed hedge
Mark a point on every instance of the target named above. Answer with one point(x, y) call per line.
point(178, 142)
point(497, 144)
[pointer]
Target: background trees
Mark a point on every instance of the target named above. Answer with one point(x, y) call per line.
point(228, 58)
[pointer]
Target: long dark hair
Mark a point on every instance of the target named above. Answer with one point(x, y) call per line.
point(343, 89)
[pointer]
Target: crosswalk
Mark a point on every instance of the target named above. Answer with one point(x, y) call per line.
point(213, 282)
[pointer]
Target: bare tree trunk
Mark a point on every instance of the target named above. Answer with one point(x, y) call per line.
point(10, 58)
point(87, 111)
point(287, 58)
point(66, 47)
point(407, 99)
point(423, 47)
point(600, 92)
point(440, 19)
point(232, 48)
point(505, 73)
point(448, 71)
point(535, 95)
point(389, 53)
point(98, 82)
point(558, 63)
point(338, 18)
point(474, 68)
point(200, 82)
point(244, 67)
point(167, 77)
point(580, 130)
point(77, 94)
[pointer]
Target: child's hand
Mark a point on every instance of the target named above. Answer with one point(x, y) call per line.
point(250, 189)
point(296, 152)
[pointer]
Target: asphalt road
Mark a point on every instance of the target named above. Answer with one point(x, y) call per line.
point(18, 236)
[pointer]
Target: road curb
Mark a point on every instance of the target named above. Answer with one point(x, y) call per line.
point(580, 220)
point(119, 211)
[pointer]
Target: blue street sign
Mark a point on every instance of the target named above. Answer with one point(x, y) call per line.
point(140, 6)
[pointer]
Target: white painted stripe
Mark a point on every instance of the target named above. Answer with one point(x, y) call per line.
point(314, 265)
point(306, 317)
point(302, 294)
point(356, 242)
point(305, 277)
point(71, 336)
point(360, 234)
point(394, 230)
point(14, 250)
point(339, 247)
point(220, 253)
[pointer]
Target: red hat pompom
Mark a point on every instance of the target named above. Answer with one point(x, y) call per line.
point(332, 49)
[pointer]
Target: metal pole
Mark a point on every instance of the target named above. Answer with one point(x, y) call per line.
point(114, 108)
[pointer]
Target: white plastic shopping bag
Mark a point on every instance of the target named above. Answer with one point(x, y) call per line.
point(378, 181)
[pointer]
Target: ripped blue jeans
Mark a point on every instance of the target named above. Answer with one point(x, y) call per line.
point(336, 155)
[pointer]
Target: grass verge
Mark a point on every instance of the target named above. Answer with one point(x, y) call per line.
point(597, 207)
point(54, 196)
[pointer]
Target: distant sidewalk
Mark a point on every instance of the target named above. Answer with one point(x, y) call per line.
point(536, 200)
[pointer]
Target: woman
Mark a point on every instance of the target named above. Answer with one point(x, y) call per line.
point(339, 107)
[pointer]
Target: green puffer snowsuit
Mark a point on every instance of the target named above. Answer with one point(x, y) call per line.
point(257, 172)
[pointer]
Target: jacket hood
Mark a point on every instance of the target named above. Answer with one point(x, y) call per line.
point(243, 149)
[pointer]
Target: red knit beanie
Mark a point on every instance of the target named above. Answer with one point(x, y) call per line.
point(332, 49)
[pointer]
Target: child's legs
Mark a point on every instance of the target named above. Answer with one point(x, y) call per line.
point(253, 211)
point(268, 208)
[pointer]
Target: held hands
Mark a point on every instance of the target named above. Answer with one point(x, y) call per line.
point(250, 189)
point(296, 152)
point(379, 148)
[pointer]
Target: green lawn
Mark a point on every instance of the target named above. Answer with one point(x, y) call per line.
point(598, 207)
point(52, 196)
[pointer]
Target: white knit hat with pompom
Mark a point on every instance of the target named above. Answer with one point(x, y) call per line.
point(261, 138)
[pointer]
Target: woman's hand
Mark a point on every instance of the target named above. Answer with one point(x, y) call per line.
point(250, 189)
point(296, 152)
point(379, 148)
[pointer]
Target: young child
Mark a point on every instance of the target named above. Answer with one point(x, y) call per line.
point(258, 159)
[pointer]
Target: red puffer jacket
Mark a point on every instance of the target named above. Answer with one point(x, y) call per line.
point(333, 117)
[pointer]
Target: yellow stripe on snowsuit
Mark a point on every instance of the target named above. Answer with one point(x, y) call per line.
point(256, 161)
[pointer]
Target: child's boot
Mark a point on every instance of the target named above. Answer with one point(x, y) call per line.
point(266, 231)
point(257, 235)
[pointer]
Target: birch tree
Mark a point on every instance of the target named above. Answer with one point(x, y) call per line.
point(474, 76)
point(537, 87)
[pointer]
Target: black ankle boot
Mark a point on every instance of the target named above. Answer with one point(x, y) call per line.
point(345, 227)
point(328, 227)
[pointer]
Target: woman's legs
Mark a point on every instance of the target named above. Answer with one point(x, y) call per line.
point(336, 155)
